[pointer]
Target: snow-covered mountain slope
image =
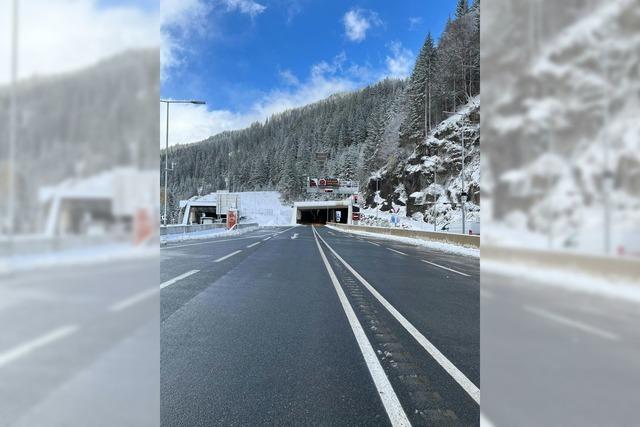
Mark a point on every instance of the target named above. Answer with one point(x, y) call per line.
point(564, 143)
point(428, 184)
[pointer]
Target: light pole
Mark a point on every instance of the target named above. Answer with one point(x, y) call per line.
point(166, 151)
point(12, 122)
point(464, 193)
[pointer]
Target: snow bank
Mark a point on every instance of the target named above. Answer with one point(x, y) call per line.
point(444, 247)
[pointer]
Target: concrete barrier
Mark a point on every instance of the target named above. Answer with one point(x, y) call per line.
point(179, 229)
point(597, 265)
point(455, 239)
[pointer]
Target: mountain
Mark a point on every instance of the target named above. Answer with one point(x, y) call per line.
point(81, 123)
point(373, 131)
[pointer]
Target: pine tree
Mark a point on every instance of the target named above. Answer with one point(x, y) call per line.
point(462, 8)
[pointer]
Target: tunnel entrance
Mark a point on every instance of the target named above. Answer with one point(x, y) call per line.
point(322, 215)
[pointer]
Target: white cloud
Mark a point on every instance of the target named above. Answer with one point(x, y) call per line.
point(400, 62)
point(414, 22)
point(358, 21)
point(249, 7)
point(191, 123)
point(181, 19)
point(63, 35)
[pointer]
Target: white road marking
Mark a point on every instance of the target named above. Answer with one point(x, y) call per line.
point(28, 347)
point(253, 244)
point(228, 256)
point(177, 278)
point(373, 243)
point(295, 236)
point(573, 323)
point(134, 299)
point(390, 400)
point(445, 268)
point(398, 252)
point(264, 240)
point(451, 369)
point(212, 241)
point(484, 421)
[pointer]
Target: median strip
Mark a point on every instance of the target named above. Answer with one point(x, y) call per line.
point(445, 268)
point(472, 390)
point(228, 256)
point(177, 278)
point(390, 400)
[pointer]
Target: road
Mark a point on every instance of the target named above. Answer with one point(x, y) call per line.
point(284, 326)
point(79, 345)
point(575, 354)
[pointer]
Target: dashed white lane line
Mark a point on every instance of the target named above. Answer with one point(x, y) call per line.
point(134, 299)
point(213, 240)
point(398, 252)
point(264, 240)
point(572, 323)
point(448, 366)
point(28, 347)
point(177, 278)
point(373, 243)
point(253, 244)
point(445, 268)
point(228, 256)
point(390, 400)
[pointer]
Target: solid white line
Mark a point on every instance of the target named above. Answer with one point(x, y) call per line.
point(134, 299)
point(573, 323)
point(446, 268)
point(398, 252)
point(253, 244)
point(451, 369)
point(28, 347)
point(177, 278)
point(228, 256)
point(390, 400)
point(372, 243)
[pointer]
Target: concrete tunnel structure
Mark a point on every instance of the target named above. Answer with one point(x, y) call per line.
point(321, 212)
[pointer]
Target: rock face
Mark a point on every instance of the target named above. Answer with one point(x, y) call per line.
point(428, 184)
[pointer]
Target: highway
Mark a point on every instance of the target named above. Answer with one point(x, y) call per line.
point(575, 354)
point(313, 326)
point(79, 345)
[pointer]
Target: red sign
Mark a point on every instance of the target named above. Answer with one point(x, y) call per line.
point(232, 218)
point(355, 216)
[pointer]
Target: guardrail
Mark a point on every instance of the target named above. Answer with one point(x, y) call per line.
point(598, 265)
point(456, 239)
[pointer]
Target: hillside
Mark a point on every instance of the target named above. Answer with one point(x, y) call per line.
point(376, 130)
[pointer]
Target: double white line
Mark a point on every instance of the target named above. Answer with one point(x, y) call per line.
point(452, 370)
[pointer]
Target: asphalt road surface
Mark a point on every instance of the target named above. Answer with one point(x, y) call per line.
point(312, 326)
point(552, 356)
point(79, 345)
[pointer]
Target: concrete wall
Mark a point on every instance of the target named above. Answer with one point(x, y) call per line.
point(456, 239)
point(603, 266)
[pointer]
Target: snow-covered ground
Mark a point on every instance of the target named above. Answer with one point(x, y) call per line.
point(205, 234)
point(445, 247)
point(75, 257)
point(264, 208)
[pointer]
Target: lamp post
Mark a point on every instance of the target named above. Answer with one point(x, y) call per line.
point(12, 122)
point(166, 151)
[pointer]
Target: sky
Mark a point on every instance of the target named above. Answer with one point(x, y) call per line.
point(56, 36)
point(249, 59)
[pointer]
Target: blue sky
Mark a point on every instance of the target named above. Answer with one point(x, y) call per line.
point(251, 58)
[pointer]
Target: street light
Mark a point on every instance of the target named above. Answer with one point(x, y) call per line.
point(463, 198)
point(166, 153)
